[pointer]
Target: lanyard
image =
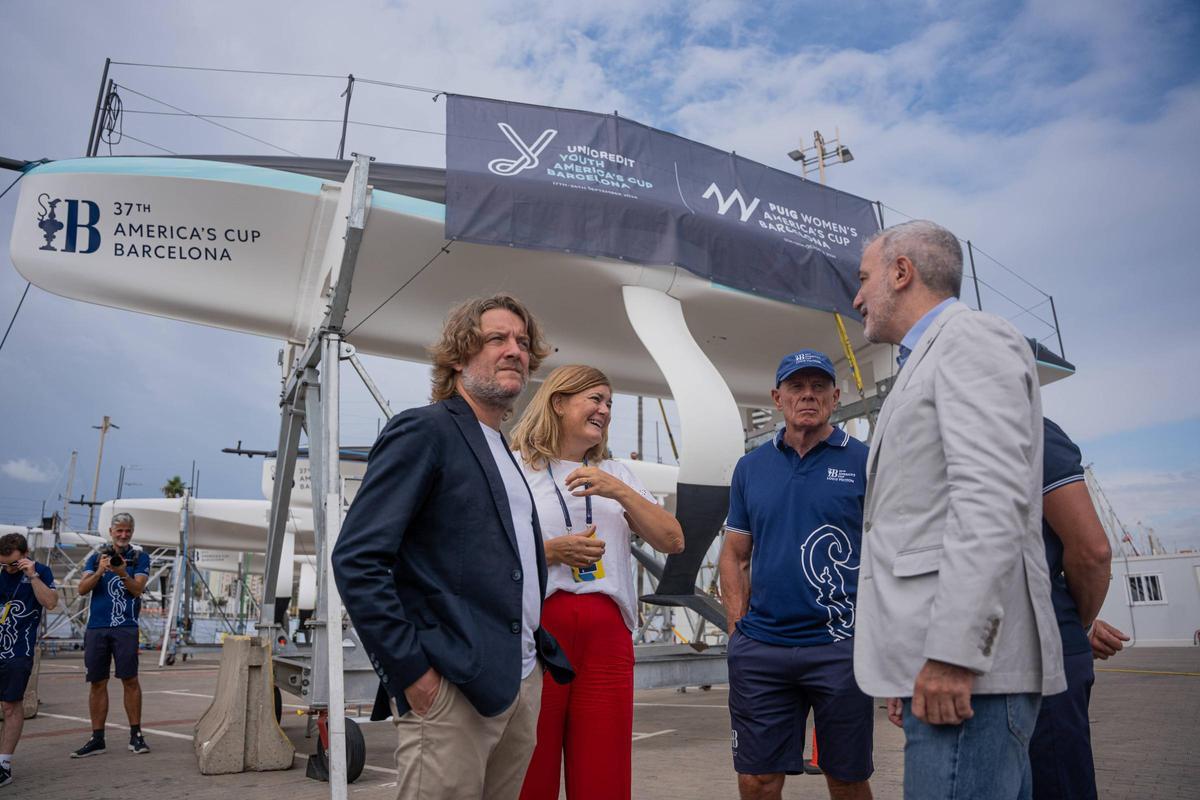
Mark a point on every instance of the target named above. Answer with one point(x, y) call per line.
point(562, 501)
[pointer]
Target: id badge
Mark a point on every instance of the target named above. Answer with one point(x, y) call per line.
point(592, 572)
point(4, 613)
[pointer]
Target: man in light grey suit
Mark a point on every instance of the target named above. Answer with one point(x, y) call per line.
point(955, 623)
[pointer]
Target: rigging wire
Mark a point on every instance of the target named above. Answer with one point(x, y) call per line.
point(20, 302)
point(238, 71)
point(209, 121)
point(405, 86)
point(285, 119)
point(445, 248)
point(150, 144)
point(975, 247)
point(389, 84)
point(112, 125)
point(14, 316)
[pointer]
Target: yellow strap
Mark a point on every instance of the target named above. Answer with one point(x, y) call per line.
point(841, 326)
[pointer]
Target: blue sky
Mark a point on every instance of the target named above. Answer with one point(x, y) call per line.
point(1057, 136)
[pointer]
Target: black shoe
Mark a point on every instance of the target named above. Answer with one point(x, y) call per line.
point(5, 775)
point(94, 747)
point(137, 744)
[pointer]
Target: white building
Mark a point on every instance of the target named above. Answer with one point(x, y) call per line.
point(1155, 599)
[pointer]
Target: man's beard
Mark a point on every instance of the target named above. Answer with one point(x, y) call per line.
point(879, 316)
point(489, 391)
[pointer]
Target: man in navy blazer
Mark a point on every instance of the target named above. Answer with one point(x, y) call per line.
point(441, 568)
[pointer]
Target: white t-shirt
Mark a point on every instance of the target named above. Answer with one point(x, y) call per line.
point(521, 506)
point(611, 526)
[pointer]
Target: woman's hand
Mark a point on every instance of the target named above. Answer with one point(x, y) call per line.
point(593, 480)
point(575, 549)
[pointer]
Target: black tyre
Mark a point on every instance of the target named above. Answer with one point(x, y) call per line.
point(356, 751)
point(278, 704)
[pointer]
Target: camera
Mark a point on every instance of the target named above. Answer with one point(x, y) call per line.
point(115, 559)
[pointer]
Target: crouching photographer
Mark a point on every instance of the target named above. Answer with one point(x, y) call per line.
point(115, 577)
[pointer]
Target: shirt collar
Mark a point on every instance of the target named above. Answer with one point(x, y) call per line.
point(909, 342)
point(839, 438)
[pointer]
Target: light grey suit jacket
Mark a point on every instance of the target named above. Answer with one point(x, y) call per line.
point(953, 565)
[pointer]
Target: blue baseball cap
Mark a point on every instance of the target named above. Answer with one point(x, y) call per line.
point(804, 359)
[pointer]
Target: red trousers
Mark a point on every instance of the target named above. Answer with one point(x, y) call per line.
point(589, 720)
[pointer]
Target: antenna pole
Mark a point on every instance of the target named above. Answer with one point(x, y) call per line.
point(349, 93)
point(91, 145)
point(103, 427)
point(975, 277)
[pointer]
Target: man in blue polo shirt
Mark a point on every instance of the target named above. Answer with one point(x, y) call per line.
point(789, 575)
point(1080, 561)
point(115, 578)
point(26, 587)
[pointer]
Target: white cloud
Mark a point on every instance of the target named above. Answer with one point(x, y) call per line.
point(22, 469)
point(1164, 502)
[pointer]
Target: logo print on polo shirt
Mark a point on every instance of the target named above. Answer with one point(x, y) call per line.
point(840, 475)
point(825, 557)
point(120, 602)
point(8, 628)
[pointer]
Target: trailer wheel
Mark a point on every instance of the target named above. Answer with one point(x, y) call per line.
point(356, 752)
point(278, 704)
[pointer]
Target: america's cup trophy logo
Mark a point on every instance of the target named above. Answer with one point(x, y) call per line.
point(48, 221)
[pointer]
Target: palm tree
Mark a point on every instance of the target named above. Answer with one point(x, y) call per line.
point(174, 487)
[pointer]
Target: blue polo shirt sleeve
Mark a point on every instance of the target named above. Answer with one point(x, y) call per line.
point(45, 574)
point(1062, 461)
point(91, 564)
point(739, 516)
point(143, 564)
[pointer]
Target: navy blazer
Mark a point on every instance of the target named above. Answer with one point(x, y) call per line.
point(428, 567)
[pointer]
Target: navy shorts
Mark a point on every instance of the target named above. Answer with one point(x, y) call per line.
point(1060, 751)
point(104, 645)
point(771, 690)
point(14, 677)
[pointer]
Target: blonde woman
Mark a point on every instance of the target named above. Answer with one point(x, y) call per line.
point(588, 506)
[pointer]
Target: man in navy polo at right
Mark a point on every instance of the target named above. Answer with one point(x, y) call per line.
point(1080, 561)
point(789, 576)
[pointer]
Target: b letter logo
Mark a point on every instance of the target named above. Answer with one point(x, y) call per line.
point(50, 224)
point(528, 158)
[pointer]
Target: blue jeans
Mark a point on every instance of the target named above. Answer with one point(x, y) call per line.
point(985, 758)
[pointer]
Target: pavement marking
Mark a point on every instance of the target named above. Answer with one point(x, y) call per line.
point(391, 771)
point(1148, 672)
point(640, 736)
point(679, 705)
point(185, 693)
point(156, 732)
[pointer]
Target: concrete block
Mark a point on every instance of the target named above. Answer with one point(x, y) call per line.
point(239, 733)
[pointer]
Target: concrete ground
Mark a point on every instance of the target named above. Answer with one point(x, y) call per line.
point(1145, 712)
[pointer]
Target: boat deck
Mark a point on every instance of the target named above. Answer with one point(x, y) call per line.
point(1145, 719)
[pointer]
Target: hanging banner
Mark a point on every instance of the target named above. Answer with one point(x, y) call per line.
point(557, 179)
